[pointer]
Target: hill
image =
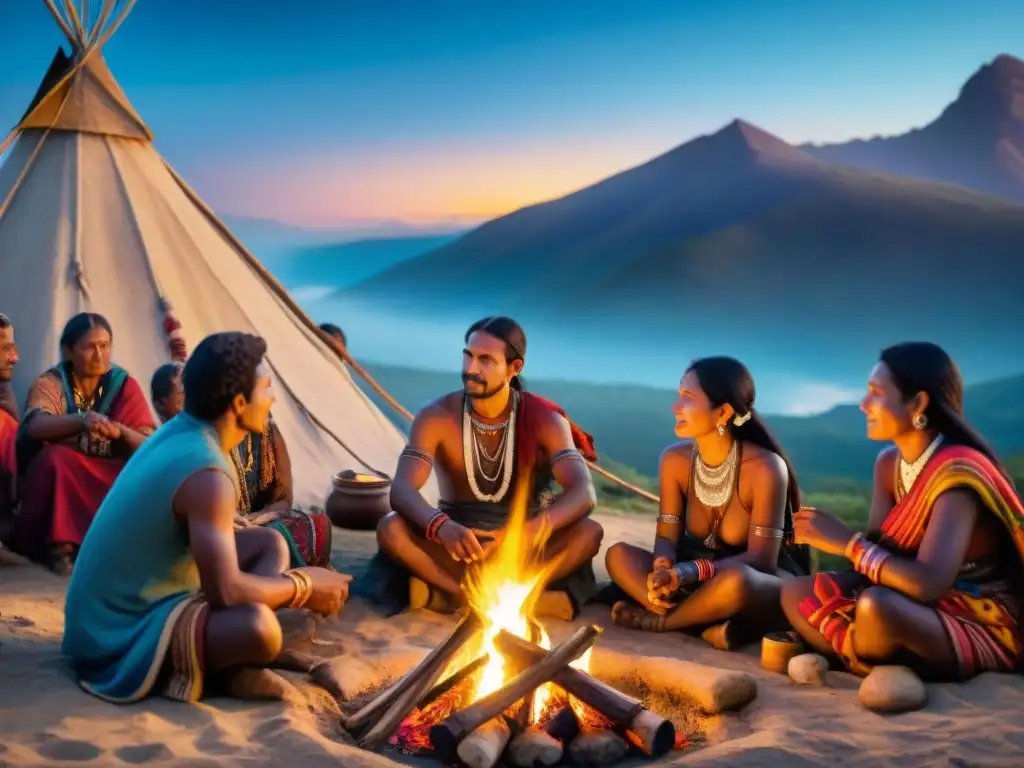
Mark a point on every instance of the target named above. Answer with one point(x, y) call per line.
point(977, 141)
point(632, 425)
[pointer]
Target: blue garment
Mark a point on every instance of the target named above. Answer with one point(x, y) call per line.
point(135, 573)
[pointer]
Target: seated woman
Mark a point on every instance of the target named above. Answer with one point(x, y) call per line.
point(264, 472)
point(937, 580)
point(83, 419)
point(722, 547)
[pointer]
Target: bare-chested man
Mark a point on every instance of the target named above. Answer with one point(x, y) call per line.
point(481, 442)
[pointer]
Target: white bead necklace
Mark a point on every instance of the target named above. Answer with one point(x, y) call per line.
point(471, 453)
point(909, 472)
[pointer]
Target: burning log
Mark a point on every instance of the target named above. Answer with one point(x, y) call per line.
point(391, 707)
point(483, 747)
point(451, 681)
point(534, 747)
point(653, 734)
point(447, 735)
point(563, 725)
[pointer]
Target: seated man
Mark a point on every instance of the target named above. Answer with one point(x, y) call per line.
point(8, 425)
point(481, 442)
point(83, 419)
point(167, 392)
point(264, 472)
point(165, 591)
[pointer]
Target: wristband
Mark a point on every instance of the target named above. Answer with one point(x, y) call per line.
point(434, 526)
point(868, 559)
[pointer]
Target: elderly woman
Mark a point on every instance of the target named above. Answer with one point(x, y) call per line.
point(938, 575)
point(83, 419)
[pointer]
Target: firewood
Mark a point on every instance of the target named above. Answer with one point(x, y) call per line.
point(451, 681)
point(597, 748)
point(484, 746)
point(563, 725)
point(533, 748)
point(446, 736)
point(654, 734)
point(392, 706)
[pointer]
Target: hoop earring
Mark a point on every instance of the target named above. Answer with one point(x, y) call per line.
point(920, 421)
point(721, 429)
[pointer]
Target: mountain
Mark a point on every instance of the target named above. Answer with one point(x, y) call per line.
point(340, 265)
point(977, 141)
point(631, 425)
point(738, 242)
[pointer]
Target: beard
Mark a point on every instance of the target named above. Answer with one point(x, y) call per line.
point(483, 392)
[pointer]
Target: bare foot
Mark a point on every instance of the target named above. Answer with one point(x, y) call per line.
point(719, 636)
point(634, 617)
point(252, 683)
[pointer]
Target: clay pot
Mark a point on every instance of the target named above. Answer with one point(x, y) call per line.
point(777, 648)
point(359, 500)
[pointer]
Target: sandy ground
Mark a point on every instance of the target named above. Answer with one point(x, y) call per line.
point(45, 719)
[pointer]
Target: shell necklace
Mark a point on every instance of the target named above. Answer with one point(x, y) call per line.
point(909, 472)
point(474, 453)
point(714, 486)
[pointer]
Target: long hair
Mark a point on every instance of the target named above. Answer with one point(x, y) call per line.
point(81, 324)
point(727, 380)
point(509, 331)
point(920, 366)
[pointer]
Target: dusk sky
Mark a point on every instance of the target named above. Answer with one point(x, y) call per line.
point(318, 112)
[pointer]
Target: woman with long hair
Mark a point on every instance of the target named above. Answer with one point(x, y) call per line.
point(83, 419)
point(724, 538)
point(936, 581)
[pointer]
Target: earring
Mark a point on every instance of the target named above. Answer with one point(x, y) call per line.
point(721, 429)
point(920, 421)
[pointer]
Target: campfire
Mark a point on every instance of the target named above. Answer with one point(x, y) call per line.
point(496, 687)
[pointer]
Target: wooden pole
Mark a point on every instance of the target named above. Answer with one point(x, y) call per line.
point(446, 736)
point(653, 734)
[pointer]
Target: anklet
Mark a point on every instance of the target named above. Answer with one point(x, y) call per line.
point(434, 526)
point(303, 587)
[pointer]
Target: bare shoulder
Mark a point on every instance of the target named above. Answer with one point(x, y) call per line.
point(761, 464)
point(885, 467)
point(202, 492)
point(676, 458)
point(447, 408)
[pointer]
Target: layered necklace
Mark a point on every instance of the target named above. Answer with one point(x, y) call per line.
point(245, 503)
point(909, 471)
point(476, 455)
point(714, 486)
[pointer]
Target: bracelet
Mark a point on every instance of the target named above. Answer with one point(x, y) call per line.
point(669, 519)
point(705, 569)
point(303, 587)
point(869, 562)
point(767, 533)
point(687, 573)
point(434, 526)
point(854, 546)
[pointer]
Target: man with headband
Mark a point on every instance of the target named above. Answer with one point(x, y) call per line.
point(489, 444)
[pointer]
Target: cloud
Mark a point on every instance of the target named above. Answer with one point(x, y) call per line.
point(809, 398)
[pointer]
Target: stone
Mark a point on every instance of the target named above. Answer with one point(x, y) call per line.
point(892, 689)
point(808, 669)
point(533, 747)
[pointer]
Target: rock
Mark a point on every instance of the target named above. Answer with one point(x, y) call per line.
point(892, 689)
point(533, 747)
point(808, 669)
point(597, 748)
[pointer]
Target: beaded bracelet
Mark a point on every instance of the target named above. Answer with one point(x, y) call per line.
point(303, 587)
point(435, 525)
point(696, 570)
point(705, 569)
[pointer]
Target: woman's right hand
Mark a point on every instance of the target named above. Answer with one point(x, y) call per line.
point(97, 425)
point(460, 542)
point(330, 591)
point(661, 585)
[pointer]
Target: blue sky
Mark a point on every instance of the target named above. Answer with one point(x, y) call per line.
point(317, 112)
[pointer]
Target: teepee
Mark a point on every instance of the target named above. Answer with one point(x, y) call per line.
point(92, 218)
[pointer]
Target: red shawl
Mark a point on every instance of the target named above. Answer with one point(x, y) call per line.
point(532, 411)
point(8, 462)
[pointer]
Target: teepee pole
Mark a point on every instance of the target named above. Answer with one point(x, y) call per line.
point(76, 22)
point(62, 23)
point(101, 19)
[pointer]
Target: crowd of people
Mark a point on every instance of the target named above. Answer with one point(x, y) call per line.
point(936, 580)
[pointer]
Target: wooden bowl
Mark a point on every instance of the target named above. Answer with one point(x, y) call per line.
point(359, 500)
point(777, 648)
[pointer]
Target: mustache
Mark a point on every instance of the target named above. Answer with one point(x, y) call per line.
point(466, 378)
